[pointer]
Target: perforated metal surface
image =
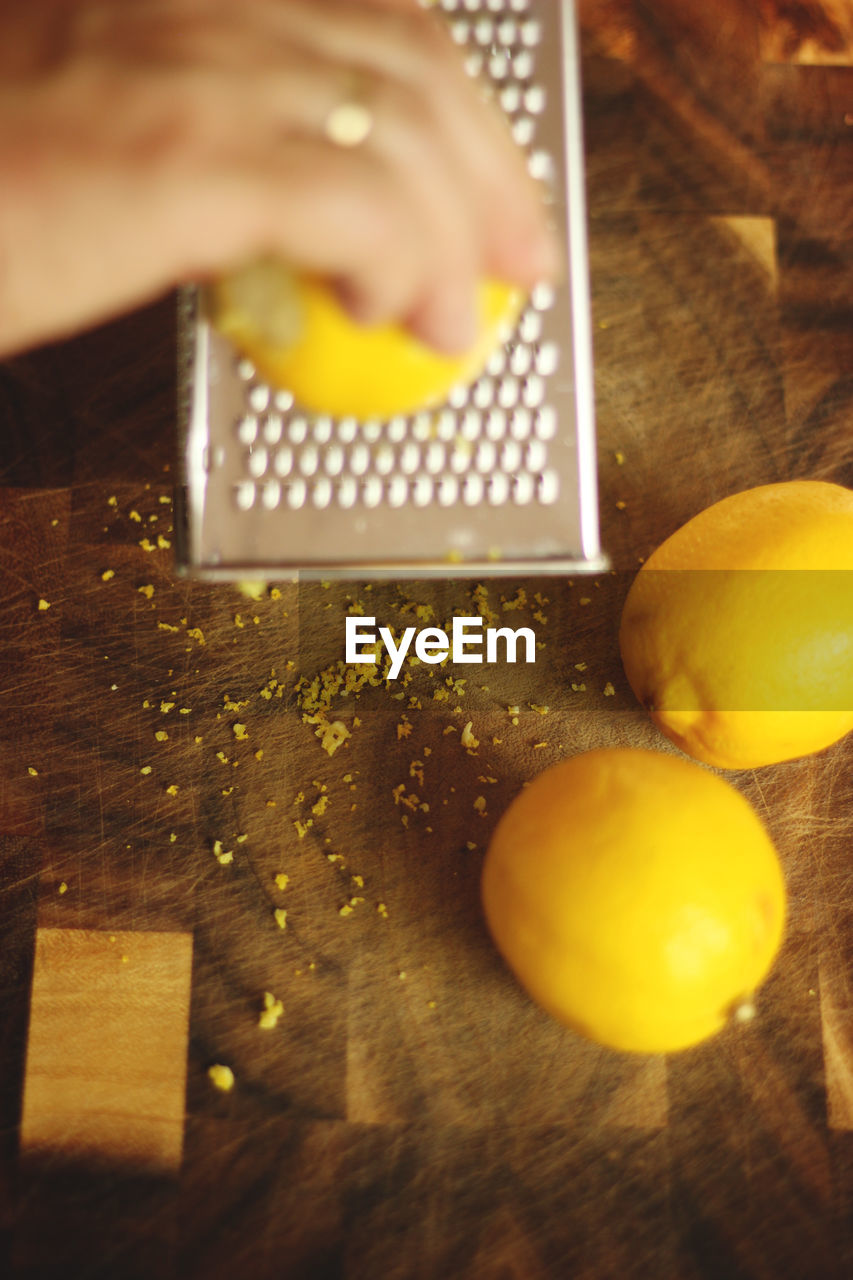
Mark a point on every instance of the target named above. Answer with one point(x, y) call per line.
point(500, 477)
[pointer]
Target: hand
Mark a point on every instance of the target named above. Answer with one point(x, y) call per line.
point(144, 143)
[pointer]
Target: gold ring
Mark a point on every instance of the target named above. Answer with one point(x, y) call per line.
point(350, 123)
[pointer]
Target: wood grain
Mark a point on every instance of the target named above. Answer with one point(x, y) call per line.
point(106, 1048)
point(804, 31)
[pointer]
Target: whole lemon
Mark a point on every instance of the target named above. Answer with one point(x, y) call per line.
point(737, 633)
point(299, 337)
point(636, 896)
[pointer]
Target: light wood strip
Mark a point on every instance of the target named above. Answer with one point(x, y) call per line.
point(757, 236)
point(106, 1053)
point(836, 1020)
point(642, 1101)
point(818, 34)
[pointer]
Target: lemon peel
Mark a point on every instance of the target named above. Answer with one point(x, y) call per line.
point(737, 633)
point(637, 897)
point(296, 333)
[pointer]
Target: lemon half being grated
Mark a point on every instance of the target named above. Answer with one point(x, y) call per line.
point(298, 336)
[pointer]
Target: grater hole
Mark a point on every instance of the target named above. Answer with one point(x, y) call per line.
point(309, 460)
point(247, 429)
point(347, 492)
point(283, 401)
point(510, 456)
point(497, 489)
point(321, 431)
point(297, 430)
point(371, 491)
point(496, 424)
point(534, 99)
point(508, 392)
point(397, 430)
point(422, 490)
point(505, 333)
point(520, 424)
point(259, 398)
point(296, 492)
point(383, 459)
point(530, 326)
point(510, 98)
point(398, 491)
point(547, 359)
point(445, 427)
point(522, 65)
point(499, 66)
point(272, 429)
point(471, 425)
point(523, 489)
point(545, 423)
point(533, 391)
point(460, 458)
point(434, 457)
point(410, 458)
point(473, 488)
point(542, 297)
point(507, 30)
point(483, 393)
point(523, 130)
point(245, 369)
point(485, 457)
point(496, 363)
point(359, 459)
point(283, 461)
point(535, 455)
point(484, 30)
point(257, 463)
point(520, 361)
point(447, 491)
point(271, 495)
point(321, 493)
point(333, 460)
point(540, 166)
point(244, 495)
point(548, 487)
point(531, 33)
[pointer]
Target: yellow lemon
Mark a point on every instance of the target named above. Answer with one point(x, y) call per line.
point(737, 633)
point(636, 896)
point(299, 337)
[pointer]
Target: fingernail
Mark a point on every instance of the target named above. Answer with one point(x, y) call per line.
point(449, 325)
point(358, 306)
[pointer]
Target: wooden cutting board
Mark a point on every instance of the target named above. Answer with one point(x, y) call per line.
point(410, 1113)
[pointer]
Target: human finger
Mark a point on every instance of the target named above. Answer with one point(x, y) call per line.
point(413, 48)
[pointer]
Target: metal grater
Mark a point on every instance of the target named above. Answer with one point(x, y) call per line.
point(499, 480)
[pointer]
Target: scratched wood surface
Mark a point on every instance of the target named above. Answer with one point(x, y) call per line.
point(410, 1113)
